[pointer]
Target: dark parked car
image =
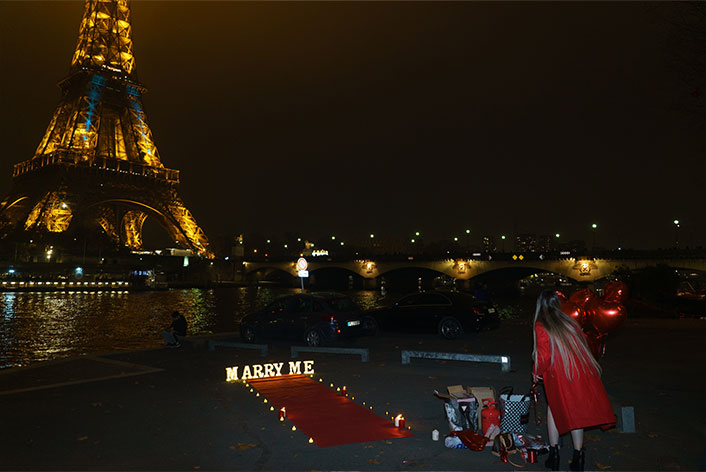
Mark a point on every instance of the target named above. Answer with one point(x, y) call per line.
point(445, 312)
point(311, 317)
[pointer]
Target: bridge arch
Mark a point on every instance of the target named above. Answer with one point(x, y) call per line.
point(270, 273)
point(336, 278)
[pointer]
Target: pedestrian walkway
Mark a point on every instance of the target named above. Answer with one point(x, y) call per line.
point(172, 409)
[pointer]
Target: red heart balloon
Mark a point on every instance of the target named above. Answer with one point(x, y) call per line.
point(582, 297)
point(616, 291)
point(572, 309)
point(608, 315)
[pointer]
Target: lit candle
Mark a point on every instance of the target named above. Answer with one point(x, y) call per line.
point(399, 421)
point(311, 440)
point(344, 391)
point(282, 413)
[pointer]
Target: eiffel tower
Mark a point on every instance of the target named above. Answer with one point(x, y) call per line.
point(97, 166)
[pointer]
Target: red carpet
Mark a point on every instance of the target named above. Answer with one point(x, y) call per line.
point(320, 413)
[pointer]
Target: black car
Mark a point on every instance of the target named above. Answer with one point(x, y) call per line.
point(445, 312)
point(311, 317)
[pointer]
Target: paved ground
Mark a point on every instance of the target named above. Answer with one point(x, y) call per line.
point(171, 409)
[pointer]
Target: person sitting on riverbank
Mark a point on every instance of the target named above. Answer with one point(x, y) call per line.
point(176, 331)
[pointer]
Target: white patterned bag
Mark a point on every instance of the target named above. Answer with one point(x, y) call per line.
point(514, 411)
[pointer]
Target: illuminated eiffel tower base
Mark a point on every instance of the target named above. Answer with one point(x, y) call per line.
point(97, 167)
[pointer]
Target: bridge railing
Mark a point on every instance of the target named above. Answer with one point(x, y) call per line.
point(615, 255)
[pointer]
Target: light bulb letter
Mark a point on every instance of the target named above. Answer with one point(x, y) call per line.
point(295, 367)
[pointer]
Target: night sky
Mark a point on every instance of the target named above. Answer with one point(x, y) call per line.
point(349, 118)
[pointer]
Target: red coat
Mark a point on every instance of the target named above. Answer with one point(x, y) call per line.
point(581, 402)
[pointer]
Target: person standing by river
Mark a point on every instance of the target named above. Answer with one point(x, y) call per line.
point(576, 397)
point(176, 330)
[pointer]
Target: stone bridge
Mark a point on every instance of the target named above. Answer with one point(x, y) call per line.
point(578, 269)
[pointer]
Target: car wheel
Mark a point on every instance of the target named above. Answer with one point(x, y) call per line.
point(312, 337)
point(247, 333)
point(450, 328)
point(370, 326)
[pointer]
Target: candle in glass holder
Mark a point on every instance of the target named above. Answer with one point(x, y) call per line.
point(399, 421)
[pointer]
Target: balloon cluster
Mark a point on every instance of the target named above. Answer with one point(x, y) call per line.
point(597, 316)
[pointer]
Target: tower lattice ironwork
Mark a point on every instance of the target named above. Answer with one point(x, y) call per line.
point(97, 166)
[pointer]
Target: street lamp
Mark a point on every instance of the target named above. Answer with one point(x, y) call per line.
point(676, 232)
point(594, 226)
point(503, 239)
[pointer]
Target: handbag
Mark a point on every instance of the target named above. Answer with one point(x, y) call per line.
point(514, 411)
point(504, 445)
point(461, 415)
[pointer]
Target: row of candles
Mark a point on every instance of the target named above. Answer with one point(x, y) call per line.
point(399, 419)
point(282, 413)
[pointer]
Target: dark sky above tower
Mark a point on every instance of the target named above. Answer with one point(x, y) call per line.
point(354, 117)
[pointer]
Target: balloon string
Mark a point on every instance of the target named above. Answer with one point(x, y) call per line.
point(534, 392)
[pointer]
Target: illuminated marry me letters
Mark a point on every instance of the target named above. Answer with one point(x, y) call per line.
point(259, 371)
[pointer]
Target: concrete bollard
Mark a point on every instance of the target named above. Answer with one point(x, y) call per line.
point(627, 416)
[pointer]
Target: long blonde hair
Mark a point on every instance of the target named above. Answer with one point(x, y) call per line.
point(565, 336)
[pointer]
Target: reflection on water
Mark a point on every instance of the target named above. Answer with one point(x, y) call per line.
point(39, 326)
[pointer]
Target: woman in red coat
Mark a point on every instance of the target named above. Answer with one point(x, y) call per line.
point(576, 397)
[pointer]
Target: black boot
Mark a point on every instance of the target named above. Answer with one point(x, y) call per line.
point(552, 462)
point(578, 460)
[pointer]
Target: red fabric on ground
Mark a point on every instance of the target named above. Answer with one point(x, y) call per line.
point(324, 415)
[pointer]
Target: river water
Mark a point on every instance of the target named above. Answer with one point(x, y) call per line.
point(37, 326)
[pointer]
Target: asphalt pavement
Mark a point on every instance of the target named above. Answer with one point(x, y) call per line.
point(172, 409)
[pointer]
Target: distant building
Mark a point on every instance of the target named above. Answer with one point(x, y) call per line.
point(488, 244)
point(544, 243)
point(526, 243)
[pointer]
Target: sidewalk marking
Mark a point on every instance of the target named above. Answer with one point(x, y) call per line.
point(141, 370)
